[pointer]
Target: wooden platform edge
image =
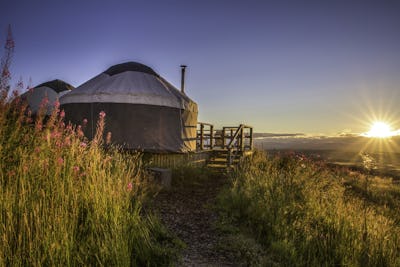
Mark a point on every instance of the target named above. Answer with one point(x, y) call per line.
point(175, 160)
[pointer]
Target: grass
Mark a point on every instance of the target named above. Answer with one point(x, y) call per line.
point(305, 214)
point(65, 201)
point(186, 176)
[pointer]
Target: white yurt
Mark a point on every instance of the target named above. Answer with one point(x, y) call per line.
point(53, 90)
point(143, 111)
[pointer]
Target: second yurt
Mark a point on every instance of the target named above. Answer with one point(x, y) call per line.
point(51, 90)
point(143, 110)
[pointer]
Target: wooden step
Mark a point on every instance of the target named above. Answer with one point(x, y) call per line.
point(222, 162)
point(217, 166)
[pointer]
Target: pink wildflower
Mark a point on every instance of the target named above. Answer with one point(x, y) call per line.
point(56, 104)
point(60, 161)
point(129, 187)
point(108, 139)
point(62, 114)
point(55, 135)
point(83, 144)
point(44, 102)
point(76, 169)
point(67, 141)
point(37, 149)
point(39, 126)
point(79, 131)
point(84, 122)
point(102, 114)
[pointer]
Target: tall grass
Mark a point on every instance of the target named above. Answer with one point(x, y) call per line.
point(306, 214)
point(65, 201)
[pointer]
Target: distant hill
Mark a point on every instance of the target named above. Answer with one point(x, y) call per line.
point(341, 143)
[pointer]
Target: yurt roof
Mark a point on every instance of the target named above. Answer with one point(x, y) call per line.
point(130, 66)
point(57, 85)
point(132, 83)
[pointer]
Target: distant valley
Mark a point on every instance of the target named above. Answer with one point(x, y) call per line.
point(339, 150)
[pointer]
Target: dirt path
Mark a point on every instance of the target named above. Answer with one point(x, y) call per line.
point(186, 211)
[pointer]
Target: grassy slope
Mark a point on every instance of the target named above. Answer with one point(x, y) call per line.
point(65, 201)
point(289, 211)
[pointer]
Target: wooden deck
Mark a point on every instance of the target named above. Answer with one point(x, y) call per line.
point(216, 148)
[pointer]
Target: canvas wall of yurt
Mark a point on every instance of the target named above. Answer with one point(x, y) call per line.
point(52, 90)
point(143, 110)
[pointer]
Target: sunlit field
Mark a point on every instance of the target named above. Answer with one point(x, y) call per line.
point(304, 213)
point(65, 201)
point(383, 163)
point(350, 151)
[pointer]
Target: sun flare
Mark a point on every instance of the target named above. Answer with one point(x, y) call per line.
point(380, 129)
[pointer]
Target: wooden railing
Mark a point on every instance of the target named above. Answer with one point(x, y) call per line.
point(237, 138)
point(205, 136)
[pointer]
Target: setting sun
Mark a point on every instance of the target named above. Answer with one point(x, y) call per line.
point(380, 129)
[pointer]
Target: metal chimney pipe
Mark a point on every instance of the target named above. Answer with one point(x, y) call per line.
point(183, 67)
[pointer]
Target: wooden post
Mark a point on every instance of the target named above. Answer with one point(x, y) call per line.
point(251, 138)
point(201, 136)
point(231, 136)
point(211, 136)
point(229, 157)
point(223, 138)
point(242, 138)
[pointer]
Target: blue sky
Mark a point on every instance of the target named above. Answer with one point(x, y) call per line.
point(280, 66)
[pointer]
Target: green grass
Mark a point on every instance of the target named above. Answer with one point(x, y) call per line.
point(65, 201)
point(186, 176)
point(306, 214)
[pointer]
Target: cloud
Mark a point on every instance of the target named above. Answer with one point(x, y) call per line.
point(347, 133)
point(280, 135)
